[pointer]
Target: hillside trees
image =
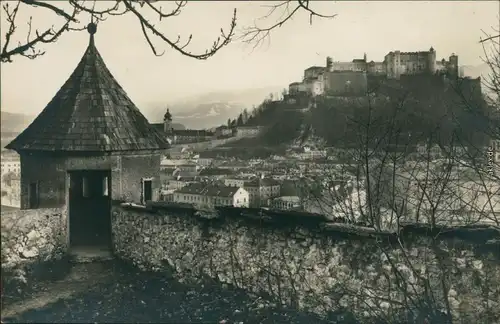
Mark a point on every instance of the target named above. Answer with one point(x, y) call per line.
point(387, 184)
point(150, 14)
point(491, 49)
point(284, 128)
point(245, 115)
point(239, 120)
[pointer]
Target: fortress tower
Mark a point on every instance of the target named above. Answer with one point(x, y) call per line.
point(329, 64)
point(453, 66)
point(431, 60)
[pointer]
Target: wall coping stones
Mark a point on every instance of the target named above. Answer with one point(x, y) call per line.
point(475, 234)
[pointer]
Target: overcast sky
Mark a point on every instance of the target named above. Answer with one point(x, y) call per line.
point(372, 27)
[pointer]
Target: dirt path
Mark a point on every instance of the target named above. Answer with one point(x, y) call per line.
point(81, 278)
point(109, 292)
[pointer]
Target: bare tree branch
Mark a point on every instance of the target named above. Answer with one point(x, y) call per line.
point(222, 41)
point(46, 5)
point(138, 8)
point(489, 38)
point(256, 35)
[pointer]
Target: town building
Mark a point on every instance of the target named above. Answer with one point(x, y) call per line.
point(187, 168)
point(182, 136)
point(90, 146)
point(262, 189)
point(11, 190)
point(223, 131)
point(233, 165)
point(179, 182)
point(248, 131)
point(286, 203)
point(167, 195)
point(204, 161)
point(436, 152)
point(238, 182)
point(312, 153)
point(10, 163)
point(460, 201)
point(185, 136)
point(212, 195)
point(172, 164)
point(215, 173)
point(495, 148)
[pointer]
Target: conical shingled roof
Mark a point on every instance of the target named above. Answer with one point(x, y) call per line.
point(90, 113)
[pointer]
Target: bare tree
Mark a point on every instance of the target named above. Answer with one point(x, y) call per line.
point(407, 159)
point(279, 14)
point(149, 15)
point(491, 49)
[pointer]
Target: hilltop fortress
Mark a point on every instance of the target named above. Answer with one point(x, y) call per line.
point(339, 78)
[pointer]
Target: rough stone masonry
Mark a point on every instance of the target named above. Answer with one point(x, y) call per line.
point(32, 236)
point(314, 271)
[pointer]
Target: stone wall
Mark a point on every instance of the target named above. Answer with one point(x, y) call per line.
point(316, 268)
point(206, 145)
point(31, 236)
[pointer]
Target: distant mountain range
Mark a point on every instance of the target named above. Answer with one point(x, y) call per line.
point(211, 109)
point(14, 122)
point(11, 125)
point(474, 71)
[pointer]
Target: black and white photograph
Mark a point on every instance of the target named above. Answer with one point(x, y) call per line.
point(244, 162)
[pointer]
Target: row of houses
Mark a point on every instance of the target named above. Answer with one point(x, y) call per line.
point(257, 191)
point(252, 195)
point(10, 163)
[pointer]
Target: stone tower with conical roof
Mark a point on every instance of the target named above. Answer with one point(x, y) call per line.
point(88, 148)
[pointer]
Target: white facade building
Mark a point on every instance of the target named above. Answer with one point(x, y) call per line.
point(210, 195)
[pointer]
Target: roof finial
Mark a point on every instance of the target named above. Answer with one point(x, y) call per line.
point(92, 27)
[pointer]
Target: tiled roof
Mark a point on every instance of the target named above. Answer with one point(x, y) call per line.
point(182, 174)
point(208, 190)
point(316, 68)
point(192, 132)
point(186, 178)
point(215, 171)
point(91, 112)
point(266, 182)
point(160, 126)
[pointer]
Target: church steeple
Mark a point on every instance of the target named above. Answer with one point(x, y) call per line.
point(167, 116)
point(167, 121)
